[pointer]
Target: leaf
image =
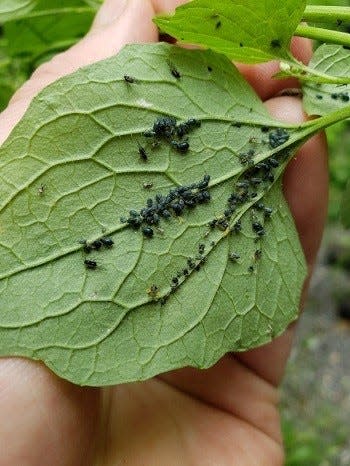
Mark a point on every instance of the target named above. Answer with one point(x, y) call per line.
point(10, 9)
point(52, 25)
point(247, 31)
point(321, 99)
point(72, 168)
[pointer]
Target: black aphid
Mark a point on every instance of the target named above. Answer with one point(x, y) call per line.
point(210, 69)
point(218, 25)
point(147, 185)
point(264, 129)
point(277, 137)
point(175, 280)
point(149, 134)
point(107, 242)
point(334, 96)
point(237, 227)
point(90, 264)
point(251, 269)
point(185, 272)
point(267, 212)
point(143, 153)
point(148, 232)
point(174, 71)
point(275, 44)
point(319, 97)
point(181, 147)
point(201, 248)
point(129, 79)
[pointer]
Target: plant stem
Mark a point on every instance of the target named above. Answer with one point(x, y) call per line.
point(326, 14)
point(323, 122)
point(323, 35)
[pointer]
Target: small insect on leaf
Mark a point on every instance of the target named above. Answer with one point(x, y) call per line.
point(41, 189)
point(143, 154)
point(90, 264)
point(129, 79)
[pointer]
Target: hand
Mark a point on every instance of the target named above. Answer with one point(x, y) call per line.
point(223, 416)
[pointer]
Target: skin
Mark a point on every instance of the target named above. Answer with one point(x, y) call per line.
point(227, 415)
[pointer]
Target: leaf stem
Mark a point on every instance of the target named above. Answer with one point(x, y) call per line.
point(323, 122)
point(323, 35)
point(326, 14)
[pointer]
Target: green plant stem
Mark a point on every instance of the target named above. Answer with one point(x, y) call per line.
point(326, 14)
point(323, 122)
point(323, 35)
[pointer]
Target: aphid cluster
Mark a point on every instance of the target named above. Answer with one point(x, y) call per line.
point(192, 264)
point(343, 96)
point(166, 129)
point(277, 137)
point(104, 242)
point(165, 206)
point(96, 245)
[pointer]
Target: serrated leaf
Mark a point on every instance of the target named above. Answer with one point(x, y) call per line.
point(244, 30)
point(11, 9)
point(321, 99)
point(71, 168)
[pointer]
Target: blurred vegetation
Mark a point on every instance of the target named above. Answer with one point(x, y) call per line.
point(27, 42)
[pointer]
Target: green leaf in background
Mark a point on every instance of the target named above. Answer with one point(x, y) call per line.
point(345, 207)
point(11, 9)
point(51, 25)
point(247, 31)
point(222, 274)
point(321, 99)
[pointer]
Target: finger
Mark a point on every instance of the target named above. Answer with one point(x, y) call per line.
point(305, 187)
point(44, 420)
point(130, 22)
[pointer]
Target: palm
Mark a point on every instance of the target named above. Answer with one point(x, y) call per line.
point(224, 416)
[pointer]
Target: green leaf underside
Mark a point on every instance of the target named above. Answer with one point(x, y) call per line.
point(59, 23)
point(321, 99)
point(71, 169)
point(244, 30)
point(10, 9)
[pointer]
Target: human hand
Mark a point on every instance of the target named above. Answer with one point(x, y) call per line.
point(226, 415)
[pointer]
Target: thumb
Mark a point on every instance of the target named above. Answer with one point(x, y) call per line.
point(117, 23)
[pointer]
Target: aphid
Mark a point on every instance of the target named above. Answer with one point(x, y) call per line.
point(267, 212)
point(251, 269)
point(148, 232)
point(257, 254)
point(175, 280)
point(264, 129)
point(237, 227)
point(41, 189)
point(218, 25)
point(174, 71)
point(255, 181)
point(222, 224)
point(181, 146)
point(107, 242)
point(233, 256)
point(163, 300)
point(185, 272)
point(334, 96)
point(273, 162)
point(193, 123)
point(143, 153)
point(129, 79)
point(319, 97)
point(278, 137)
point(346, 47)
point(201, 248)
point(241, 44)
point(147, 185)
point(257, 226)
point(97, 245)
point(212, 223)
point(153, 291)
point(210, 69)
point(275, 44)
point(242, 184)
point(86, 246)
point(90, 264)
point(212, 244)
point(344, 97)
